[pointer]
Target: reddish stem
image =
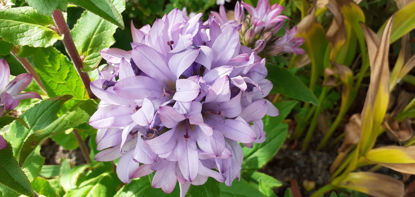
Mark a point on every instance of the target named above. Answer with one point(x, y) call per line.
point(71, 49)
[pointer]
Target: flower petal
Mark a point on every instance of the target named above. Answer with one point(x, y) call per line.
point(237, 129)
point(139, 87)
point(114, 55)
point(3, 143)
point(145, 115)
point(180, 62)
point(151, 62)
point(186, 90)
point(188, 159)
point(109, 154)
point(165, 178)
point(126, 167)
point(111, 116)
point(164, 144)
point(4, 74)
point(169, 116)
point(255, 111)
point(143, 153)
point(219, 91)
point(19, 84)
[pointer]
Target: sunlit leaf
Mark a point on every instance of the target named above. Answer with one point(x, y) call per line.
point(42, 186)
point(25, 26)
point(403, 22)
point(103, 8)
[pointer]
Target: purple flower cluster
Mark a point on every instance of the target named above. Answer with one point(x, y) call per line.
point(260, 26)
point(10, 92)
point(183, 99)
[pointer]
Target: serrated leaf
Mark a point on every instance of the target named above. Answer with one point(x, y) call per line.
point(37, 117)
point(289, 85)
point(33, 164)
point(24, 26)
point(47, 7)
point(57, 73)
point(91, 34)
point(260, 154)
point(68, 120)
point(11, 174)
point(103, 8)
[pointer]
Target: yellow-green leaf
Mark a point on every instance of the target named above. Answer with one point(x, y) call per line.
point(392, 154)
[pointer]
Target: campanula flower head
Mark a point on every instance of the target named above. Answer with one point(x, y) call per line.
point(180, 102)
point(10, 91)
point(259, 28)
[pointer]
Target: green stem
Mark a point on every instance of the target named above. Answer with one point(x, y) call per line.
point(323, 190)
point(314, 121)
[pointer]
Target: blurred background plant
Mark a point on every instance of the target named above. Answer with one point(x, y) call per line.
point(347, 106)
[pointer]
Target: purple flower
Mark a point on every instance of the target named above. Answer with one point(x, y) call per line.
point(266, 16)
point(260, 27)
point(288, 43)
point(3, 143)
point(10, 92)
point(180, 102)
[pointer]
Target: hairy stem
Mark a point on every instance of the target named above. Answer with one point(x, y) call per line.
point(29, 68)
point(71, 49)
point(82, 146)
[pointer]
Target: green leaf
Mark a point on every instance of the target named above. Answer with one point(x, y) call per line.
point(42, 186)
point(102, 185)
point(66, 139)
point(142, 187)
point(57, 73)
point(289, 85)
point(11, 175)
point(68, 120)
point(5, 47)
point(47, 7)
point(209, 189)
point(69, 176)
point(260, 154)
point(25, 26)
point(49, 171)
point(33, 164)
point(284, 108)
point(403, 22)
point(91, 34)
point(239, 189)
point(266, 183)
point(103, 8)
point(37, 117)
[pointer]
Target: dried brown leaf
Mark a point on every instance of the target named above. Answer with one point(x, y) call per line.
point(351, 132)
point(373, 184)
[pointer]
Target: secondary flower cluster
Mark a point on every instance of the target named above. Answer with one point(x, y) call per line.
point(180, 102)
point(260, 28)
point(9, 92)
